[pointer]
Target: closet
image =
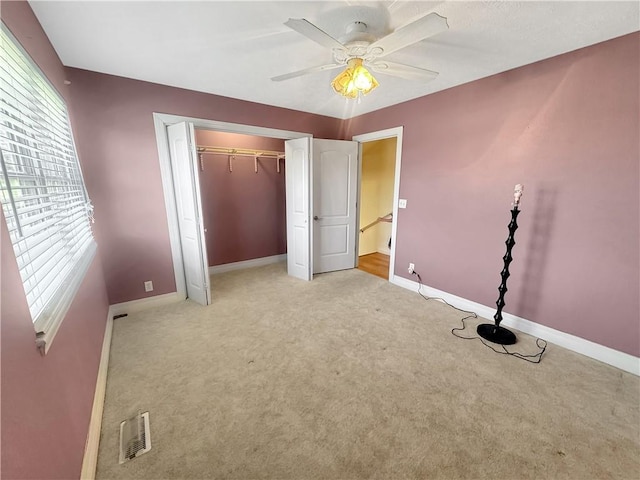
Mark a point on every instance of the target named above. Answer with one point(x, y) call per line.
point(242, 187)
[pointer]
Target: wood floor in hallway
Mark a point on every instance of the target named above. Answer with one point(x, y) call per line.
point(375, 264)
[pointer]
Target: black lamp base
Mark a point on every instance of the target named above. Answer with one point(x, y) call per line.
point(496, 334)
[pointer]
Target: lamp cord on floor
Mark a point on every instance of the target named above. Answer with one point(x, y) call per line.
point(536, 358)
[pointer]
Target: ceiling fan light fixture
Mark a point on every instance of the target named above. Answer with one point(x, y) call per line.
point(355, 80)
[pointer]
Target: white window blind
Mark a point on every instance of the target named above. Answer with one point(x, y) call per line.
point(42, 190)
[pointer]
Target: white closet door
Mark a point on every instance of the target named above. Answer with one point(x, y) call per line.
point(297, 173)
point(187, 187)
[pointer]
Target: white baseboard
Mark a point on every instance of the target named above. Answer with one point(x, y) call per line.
point(90, 459)
point(607, 355)
point(255, 262)
point(145, 303)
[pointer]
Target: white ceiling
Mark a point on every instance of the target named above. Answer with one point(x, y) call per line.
point(233, 48)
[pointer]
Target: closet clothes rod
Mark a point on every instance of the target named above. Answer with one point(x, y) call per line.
point(240, 152)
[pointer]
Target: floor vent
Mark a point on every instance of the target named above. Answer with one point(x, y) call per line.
point(135, 437)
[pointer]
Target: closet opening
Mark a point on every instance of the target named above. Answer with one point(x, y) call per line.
point(180, 166)
point(242, 189)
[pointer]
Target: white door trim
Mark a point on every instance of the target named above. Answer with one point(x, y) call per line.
point(160, 122)
point(381, 135)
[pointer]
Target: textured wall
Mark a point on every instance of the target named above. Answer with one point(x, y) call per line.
point(243, 211)
point(376, 194)
point(116, 139)
point(46, 401)
point(568, 129)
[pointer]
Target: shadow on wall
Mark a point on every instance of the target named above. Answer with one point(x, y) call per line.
point(537, 254)
point(281, 200)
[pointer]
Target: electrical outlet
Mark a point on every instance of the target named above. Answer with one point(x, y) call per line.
point(412, 268)
point(148, 286)
point(402, 203)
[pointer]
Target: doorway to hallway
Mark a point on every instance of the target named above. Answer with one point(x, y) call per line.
point(377, 182)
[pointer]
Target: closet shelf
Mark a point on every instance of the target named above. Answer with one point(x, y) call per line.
point(240, 152)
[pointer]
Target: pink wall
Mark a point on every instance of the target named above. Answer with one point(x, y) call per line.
point(568, 129)
point(116, 140)
point(46, 401)
point(244, 212)
point(570, 139)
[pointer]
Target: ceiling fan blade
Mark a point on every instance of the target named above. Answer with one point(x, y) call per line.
point(312, 32)
point(420, 29)
point(407, 72)
point(306, 71)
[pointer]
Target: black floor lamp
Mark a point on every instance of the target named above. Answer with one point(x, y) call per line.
point(495, 333)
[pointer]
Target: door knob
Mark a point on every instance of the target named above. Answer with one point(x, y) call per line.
point(315, 217)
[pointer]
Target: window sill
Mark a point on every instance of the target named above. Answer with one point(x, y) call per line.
point(48, 323)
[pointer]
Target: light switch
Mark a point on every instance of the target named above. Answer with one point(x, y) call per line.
point(402, 203)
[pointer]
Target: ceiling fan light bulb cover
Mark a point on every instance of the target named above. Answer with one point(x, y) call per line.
point(355, 80)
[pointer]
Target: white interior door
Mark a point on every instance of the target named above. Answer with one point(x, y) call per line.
point(297, 180)
point(335, 197)
point(187, 188)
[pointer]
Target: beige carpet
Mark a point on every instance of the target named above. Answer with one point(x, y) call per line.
point(351, 377)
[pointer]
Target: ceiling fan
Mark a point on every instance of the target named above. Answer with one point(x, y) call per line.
point(359, 49)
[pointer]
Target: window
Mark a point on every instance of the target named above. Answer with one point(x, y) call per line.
point(42, 191)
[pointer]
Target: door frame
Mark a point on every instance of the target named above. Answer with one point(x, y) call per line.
point(161, 121)
point(369, 137)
